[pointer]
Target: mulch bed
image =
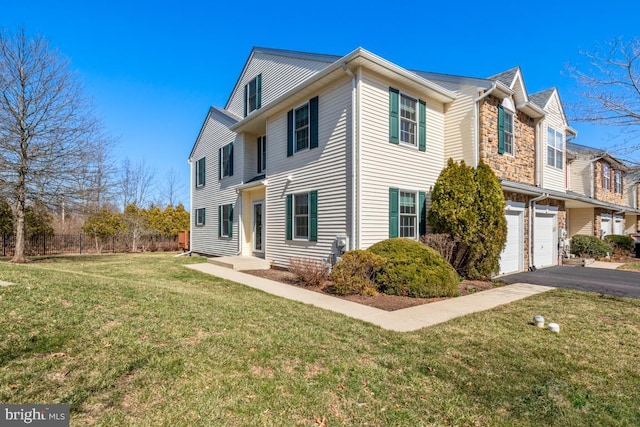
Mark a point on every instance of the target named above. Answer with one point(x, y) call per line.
point(381, 301)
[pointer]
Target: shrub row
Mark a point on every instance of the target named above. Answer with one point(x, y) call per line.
point(583, 245)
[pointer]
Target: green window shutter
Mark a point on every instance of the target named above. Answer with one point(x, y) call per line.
point(422, 126)
point(219, 220)
point(230, 220)
point(313, 122)
point(289, 219)
point(220, 154)
point(246, 97)
point(313, 216)
point(290, 133)
point(203, 174)
point(422, 211)
point(231, 159)
point(500, 129)
point(204, 216)
point(393, 212)
point(394, 120)
point(259, 91)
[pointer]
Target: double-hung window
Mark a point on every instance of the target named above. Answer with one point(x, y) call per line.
point(407, 120)
point(506, 143)
point(225, 220)
point(200, 172)
point(302, 216)
point(406, 213)
point(253, 94)
point(617, 182)
point(606, 176)
point(302, 127)
point(200, 216)
point(262, 154)
point(555, 148)
point(226, 161)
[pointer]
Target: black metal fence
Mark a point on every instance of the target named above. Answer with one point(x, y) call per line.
point(59, 244)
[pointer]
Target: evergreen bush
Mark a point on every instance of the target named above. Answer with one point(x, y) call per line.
point(589, 246)
point(355, 273)
point(413, 269)
point(621, 245)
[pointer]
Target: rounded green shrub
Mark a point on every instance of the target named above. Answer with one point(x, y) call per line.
point(584, 245)
point(355, 273)
point(622, 245)
point(413, 269)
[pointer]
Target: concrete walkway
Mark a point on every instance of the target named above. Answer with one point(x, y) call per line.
point(603, 264)
point(405, 320)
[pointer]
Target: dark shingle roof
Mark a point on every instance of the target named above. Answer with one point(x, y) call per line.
point(506, 77)
point(541, 98)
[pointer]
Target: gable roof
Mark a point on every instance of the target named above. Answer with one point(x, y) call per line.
point(541, 98)
point(506, 77)
point(225, 117)
point(594, 154)
point(318, 57)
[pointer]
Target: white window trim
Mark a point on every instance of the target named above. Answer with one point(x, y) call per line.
point(617, 184)
point(198, 168)
point(255, 82)
point(606, 178)
point(416, 195)
point(200, 219)
point(293, 216)
point(308, 126)
point(416, 134)
point(555, 148)
point(507, 111)
point(225, 218)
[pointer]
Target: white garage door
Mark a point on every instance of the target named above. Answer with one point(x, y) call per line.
point(511, 256)
point(545, 240)
point(618, 224)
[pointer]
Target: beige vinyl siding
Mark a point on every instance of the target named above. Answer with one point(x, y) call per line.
point(580, 179)
point(385, 165)
point(214, 135)
point(325, 169)
point(459, 124)
point(279, 74)
point(630, 224)
point(581, 221)
point(554, 178)
point(630, 193)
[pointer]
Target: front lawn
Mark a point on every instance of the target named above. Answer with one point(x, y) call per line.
point(141, 340)
point(632, 266)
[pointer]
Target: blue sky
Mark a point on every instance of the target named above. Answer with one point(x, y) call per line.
point(154, 68)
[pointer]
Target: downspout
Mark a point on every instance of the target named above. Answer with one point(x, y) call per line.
point(476, 124)
point(191, 215)
point(352, 232)
point(532, 206)
point(359, 158)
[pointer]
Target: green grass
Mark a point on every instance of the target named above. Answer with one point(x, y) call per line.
point(632, 266)
point(142, 340)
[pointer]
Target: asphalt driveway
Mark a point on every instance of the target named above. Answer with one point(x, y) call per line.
point(611, 282)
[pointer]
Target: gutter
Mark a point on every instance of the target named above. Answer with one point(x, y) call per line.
point(532, 207)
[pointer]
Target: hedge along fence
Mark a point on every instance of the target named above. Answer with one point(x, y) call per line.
point(58, 244)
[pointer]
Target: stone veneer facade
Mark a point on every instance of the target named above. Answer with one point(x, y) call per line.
point(609, 196)
point(521, 166)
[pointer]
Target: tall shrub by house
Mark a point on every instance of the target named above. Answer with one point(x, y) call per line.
point(468, 205)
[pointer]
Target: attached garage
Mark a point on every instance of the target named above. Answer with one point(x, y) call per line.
point(606, 227)
point(618, 224)
point(511, 258)
point(545, 236)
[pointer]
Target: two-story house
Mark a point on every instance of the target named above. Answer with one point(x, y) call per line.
point(611, 192)
point(316, 154)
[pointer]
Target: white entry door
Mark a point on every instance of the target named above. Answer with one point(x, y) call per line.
point(511, 256)
point(545, 240)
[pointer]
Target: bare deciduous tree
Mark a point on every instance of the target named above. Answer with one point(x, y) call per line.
point(172, 187)
point(611, 87)
point(136, 183)
point(47, 129)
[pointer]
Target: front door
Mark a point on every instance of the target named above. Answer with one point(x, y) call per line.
point(258, 228)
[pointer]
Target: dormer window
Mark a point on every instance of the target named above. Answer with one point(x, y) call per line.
point(505, 131)
point(606, 176)
point(617, 182)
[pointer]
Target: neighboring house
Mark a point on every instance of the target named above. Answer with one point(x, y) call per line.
point(315, 154)
point(612, 192)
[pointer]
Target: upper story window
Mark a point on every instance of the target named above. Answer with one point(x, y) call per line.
point(262, 154)
point(200, 172)
point(617, 182)
point(302, 127)
point(407, 120)
point(555, 148)
point(225, 155)
point(505, 131)
point(253, 95)
point(606, 176)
